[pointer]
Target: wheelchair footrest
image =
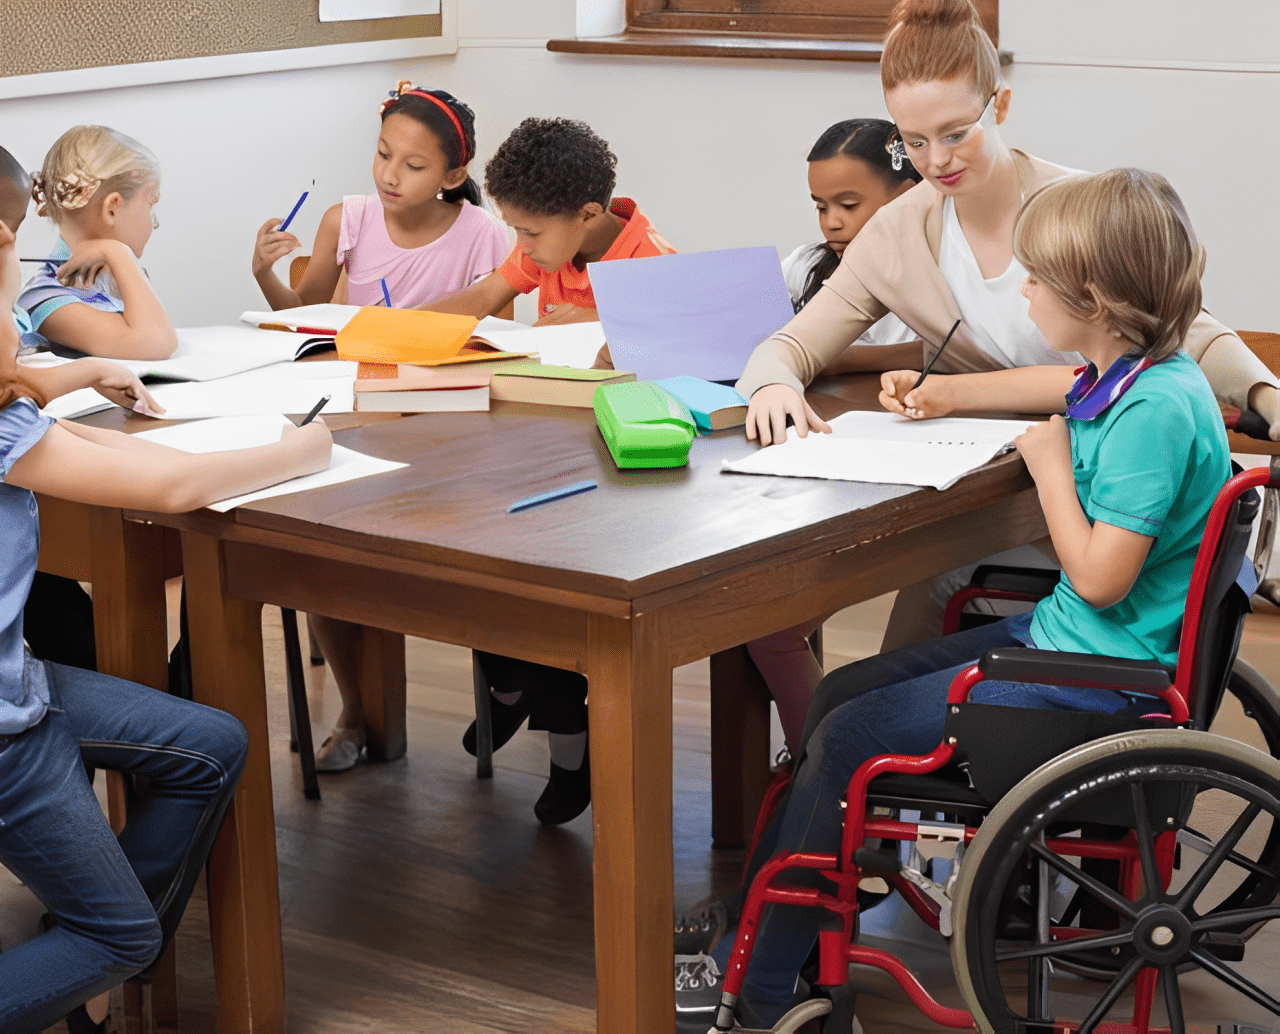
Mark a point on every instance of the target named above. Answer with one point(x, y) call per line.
point(875, 862)
point(1224, 945)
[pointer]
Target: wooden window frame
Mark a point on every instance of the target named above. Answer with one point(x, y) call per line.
point(741, 28)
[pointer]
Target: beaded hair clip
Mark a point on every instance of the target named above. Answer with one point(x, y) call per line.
point(406, 88)
point(897, 152)
point(72, 191)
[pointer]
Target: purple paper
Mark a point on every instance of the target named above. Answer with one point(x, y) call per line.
point(699, 314)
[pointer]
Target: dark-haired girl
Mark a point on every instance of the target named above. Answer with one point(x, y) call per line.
point(423, 231)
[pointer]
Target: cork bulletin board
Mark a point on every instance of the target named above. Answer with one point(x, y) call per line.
point(59, 45)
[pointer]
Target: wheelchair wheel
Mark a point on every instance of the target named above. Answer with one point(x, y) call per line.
point(1014, 976)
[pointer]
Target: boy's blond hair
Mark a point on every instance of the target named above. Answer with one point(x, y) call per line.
point(930, 40)
point(87, 162)
point(1118, 249)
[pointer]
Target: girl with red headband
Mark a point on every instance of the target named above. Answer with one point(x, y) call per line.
point(423, 230)
point(424, 233)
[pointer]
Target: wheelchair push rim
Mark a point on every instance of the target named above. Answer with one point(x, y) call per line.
point(1012, 979)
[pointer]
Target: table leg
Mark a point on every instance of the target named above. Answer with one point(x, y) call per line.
point(630, 738)
point(382, 692)
point(740, 719)
point(244, 887)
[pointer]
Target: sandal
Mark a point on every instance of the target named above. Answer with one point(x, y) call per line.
point(341, 750)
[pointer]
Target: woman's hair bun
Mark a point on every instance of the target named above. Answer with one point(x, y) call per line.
point(942, 13)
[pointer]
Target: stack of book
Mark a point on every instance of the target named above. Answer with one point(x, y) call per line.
point(422, 389)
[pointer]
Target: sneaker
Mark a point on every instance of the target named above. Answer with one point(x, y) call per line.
point(700, 928)
point(341, 750)
point(698, 986)
point(567, 794)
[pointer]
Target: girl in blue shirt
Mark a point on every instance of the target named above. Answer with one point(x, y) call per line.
point(115, 902)
point(1126, 482)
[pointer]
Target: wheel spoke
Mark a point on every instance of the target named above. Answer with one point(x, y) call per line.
point(1173, 999)
point(1236, 917)
point(1216, 857)
point(1067, 947)
point(1123, 979)
point(1204, 845)
point(1146, 842)
point(1231, 978)
point(1099, 890)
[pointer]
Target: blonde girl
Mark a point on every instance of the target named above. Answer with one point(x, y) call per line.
point(91, 297)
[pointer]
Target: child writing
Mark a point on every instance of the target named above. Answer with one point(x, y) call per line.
point(424, 235)
point(91, 297)
point(552, 180)
point(423, 232)
point(115, 903)
point(1113, 274)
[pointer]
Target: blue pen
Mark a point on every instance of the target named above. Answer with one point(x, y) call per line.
point(289, 218)
point(386, 295)
point(555, 493)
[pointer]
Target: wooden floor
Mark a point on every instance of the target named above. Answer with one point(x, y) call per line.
point(416, 898)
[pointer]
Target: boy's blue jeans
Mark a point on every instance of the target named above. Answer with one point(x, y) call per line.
point(116, 902)
point(893, 703)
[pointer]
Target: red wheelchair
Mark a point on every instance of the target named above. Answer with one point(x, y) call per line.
point(1081, 896)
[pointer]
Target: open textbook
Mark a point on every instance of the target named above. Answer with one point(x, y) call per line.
point(886, 449)
point(207, 353)
point(244, 432)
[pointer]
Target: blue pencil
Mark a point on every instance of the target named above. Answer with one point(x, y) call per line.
point(289, 218)
point(555, 493)
point(386, 295)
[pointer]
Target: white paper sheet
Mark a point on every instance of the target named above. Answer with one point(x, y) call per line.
point(77, 403)
point(885, 449)
point(571, 344)
point(326, 316)
point(206, 353)
point(245, 432)
point(282, 388)
point(358, 10)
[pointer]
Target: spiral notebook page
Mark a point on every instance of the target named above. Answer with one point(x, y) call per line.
point(882, 448)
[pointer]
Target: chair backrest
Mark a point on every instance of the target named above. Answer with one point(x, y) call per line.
point(1216, 603)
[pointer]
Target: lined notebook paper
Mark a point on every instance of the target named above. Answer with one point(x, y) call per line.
point(886, 449)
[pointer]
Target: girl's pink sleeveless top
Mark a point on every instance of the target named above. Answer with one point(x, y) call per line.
point(472, 248)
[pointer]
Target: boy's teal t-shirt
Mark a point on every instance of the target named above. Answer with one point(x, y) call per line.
point(1152, 462)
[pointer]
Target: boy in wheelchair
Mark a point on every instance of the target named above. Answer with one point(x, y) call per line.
point(1126, 482)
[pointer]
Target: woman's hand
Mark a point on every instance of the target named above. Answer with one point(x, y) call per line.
point(769, 408)
point(121, 385)
point(90, 259)
point(270, 246)
point(1046, 448)
point(313, 442)
point(929, 401)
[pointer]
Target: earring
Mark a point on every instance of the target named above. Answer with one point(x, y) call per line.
point(897, 154)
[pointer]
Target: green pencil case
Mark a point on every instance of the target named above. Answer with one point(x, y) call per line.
point(643, 425)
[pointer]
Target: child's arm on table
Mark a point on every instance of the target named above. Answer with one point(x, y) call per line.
point(1024, 389)
point(321, 278)
point(1101, 560)
point(481, 299)
point(562, 314)
point(142, 331)
point(112, 381)
point(107, 468)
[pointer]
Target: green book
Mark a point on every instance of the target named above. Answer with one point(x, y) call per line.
point(525, 381)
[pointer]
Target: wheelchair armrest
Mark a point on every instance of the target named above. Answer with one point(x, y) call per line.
point(1077, 669)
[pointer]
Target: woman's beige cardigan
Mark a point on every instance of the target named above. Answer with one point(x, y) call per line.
point(892, 266)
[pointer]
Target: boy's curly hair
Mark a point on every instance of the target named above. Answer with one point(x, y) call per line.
point(551, 166)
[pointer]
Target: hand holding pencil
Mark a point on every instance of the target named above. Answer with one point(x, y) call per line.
point(912, 395)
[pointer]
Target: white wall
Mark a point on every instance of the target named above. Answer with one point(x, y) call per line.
point(713, 150)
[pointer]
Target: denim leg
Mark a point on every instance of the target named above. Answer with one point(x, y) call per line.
point(105, 893)
point(891, 703)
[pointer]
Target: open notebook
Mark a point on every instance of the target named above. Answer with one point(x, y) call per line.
point(886, 449)
point(207, 353)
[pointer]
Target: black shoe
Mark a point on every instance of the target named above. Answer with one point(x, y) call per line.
point(506, 719)
point(700, 928)
point(567, 794)
point(78, 1022)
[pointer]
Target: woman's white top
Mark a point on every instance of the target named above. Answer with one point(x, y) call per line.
point(888, 330)
point(994, 311)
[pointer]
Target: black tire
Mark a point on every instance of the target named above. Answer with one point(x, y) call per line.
point(1149, 769)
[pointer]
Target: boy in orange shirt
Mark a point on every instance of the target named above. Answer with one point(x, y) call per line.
point(552, 181)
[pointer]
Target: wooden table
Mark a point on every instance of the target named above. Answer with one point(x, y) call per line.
point(652, 570)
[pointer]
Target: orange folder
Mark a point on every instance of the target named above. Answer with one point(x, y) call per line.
point(379, 335)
